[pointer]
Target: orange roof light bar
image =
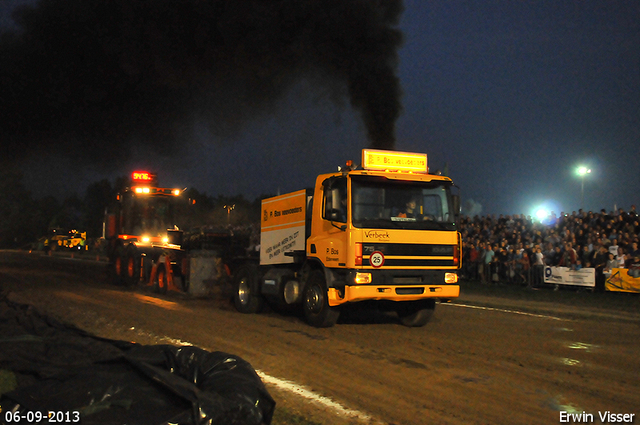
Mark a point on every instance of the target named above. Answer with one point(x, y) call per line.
point(373, 159)
point(146, 190)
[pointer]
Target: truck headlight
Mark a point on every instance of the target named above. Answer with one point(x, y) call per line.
point(450, 277)
point(363, 278)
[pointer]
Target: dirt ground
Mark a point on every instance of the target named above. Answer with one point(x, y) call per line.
point(518, 362)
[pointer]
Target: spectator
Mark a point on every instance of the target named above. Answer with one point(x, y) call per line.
point(585, 256)
point(522, 266)
point(634, 255)
point(538, 267)
point(578, 264)
point(489, 257)
point(508, 260)
point(472, 271)
point(481, 254)
point(600, 262)
point(621, 258)
point(549, 254)
point(557, 256)
point(612, 263)
point(568, 256)
point(494, 266)
point(613, 248)
point(466, 258)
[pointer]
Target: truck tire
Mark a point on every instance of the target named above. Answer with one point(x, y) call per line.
point(161, 282)
point(117, 265)
point(415, 313)
point(147, 266)
point(245, 291)
point(131, 266)
point(315, 302)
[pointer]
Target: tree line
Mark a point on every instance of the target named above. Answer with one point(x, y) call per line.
point(25, 219)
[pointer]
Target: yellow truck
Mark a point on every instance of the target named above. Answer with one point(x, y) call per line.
point(384, 232)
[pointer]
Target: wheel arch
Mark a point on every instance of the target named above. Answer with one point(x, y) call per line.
point(311, 265)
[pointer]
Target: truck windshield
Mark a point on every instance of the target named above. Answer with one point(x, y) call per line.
point(150, 215)
point(381, 203)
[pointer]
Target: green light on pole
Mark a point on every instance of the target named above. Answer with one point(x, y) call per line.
point(582, 171)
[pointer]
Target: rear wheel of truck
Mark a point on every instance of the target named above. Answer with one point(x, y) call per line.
point(415, 313)
point(315, 302)
point(245, 291)
point(147, 267)
point(117, 266)
point(131, 266)
point(161, 282)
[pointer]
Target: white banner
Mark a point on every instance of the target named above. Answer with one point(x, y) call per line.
point(274, 245)
point(566, 276)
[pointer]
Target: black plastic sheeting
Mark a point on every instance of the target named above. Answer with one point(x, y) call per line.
point(63, 369)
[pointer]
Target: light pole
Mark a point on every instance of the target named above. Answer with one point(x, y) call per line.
point(582, 171)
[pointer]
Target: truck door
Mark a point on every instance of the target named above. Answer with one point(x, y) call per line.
point(335, 209)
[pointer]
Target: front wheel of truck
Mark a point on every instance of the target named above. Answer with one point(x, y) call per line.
point(245, 291)
point(316, 303)
point(415, 313)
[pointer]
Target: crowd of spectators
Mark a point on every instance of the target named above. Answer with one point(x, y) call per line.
point(515, 249)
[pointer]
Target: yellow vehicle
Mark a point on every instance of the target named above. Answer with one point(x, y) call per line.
point(61, 239)
point(386, 232)
point(76, 240)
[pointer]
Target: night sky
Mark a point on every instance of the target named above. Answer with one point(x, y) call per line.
point(507, 97)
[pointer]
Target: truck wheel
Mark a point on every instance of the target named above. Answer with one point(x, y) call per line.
point(147, 266)
point(316, 303)
point(118, 265)
point(245, 295)
point(131, 263)
point(415, 313)
point(161, 282)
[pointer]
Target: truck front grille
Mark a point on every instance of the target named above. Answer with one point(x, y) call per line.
point(409, 291)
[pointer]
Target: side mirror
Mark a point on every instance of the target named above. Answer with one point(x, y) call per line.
point(456, 205)
point(336, 212)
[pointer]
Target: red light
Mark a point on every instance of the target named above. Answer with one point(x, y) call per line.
point(358, 254)
point(141, 176)
point(456, 252)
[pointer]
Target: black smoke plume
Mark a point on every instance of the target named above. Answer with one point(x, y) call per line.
point(91, 77)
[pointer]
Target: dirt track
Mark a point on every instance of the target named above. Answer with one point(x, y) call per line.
point(468, 366)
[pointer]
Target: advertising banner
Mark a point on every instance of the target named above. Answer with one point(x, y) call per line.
point(566, 276)
point(623, 280)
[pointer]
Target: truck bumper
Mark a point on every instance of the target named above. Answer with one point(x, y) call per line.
point(392, 293)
